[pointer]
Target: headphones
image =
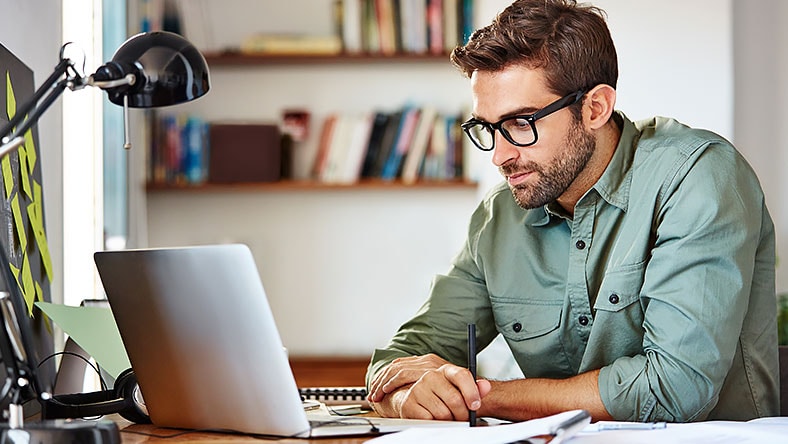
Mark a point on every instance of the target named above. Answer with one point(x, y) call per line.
point(125, 398)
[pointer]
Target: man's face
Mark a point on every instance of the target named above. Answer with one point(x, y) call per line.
point(543, 172)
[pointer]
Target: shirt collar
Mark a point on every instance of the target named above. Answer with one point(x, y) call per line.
point(613, 185)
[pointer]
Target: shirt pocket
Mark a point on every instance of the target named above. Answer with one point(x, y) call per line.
point(620, 288)
point(531, 329)
point(618, 315)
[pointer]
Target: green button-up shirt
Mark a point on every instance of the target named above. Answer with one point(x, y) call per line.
point(663, 279)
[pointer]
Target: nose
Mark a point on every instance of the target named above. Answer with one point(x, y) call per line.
point(503, 151)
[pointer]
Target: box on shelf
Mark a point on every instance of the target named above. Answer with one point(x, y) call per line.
point(243, 152)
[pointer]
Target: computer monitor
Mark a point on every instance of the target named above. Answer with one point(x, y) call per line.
point(25, 340)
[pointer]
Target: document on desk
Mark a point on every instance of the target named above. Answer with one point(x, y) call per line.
point(759, 431)
point(563, 424)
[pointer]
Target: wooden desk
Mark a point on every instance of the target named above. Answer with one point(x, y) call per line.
point(139, 433)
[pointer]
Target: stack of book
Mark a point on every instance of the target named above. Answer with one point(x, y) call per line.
point(178, 150)
point(404, 26)
point(410, 144)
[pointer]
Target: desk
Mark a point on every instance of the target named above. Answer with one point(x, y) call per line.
point(143, 430)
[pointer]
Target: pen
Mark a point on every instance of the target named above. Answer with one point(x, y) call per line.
point(472, 366)
point(630, 426)
point(570, 426)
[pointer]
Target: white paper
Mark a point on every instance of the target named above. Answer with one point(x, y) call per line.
point(760, 431)
point(500, 434)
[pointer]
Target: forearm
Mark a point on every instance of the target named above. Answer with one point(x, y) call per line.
point(529, 398)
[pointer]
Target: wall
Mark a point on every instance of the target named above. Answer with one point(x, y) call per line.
point(344, 268)
point(31, 29)
point(761, 49)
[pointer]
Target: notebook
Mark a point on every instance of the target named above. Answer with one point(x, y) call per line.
point(201, 338)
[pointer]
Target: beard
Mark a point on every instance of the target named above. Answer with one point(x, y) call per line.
point(554, 178)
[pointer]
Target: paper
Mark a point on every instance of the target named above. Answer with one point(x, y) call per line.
point(93, 329)
point(502, 434)
point(760, 431)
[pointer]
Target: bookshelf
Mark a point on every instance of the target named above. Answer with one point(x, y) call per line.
point(329, 253)
point(238, 59)
point(309, 185)
point(391, 69)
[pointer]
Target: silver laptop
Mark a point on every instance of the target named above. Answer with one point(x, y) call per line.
point(202, 341)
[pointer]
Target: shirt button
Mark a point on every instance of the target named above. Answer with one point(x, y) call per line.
point(583, 320)
point(614, 298)
point(580, 245)
point(517, 327)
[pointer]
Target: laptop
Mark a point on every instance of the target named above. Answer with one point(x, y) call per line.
point(201, 338)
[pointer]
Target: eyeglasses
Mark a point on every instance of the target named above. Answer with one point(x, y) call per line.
point(519, 130)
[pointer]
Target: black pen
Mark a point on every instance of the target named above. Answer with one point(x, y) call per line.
point(472, 366)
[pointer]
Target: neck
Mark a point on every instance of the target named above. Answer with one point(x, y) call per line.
point(607, 139)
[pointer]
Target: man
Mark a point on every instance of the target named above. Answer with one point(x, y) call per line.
point(632, 272)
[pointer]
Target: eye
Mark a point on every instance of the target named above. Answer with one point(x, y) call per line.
point(518, 124)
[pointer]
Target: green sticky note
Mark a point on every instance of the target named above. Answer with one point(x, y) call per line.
point(93, 329)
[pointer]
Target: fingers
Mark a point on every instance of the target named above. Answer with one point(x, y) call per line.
point(401, 372)
point(446, 394)
point(484, 387)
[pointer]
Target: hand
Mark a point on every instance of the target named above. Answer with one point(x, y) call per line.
point(402, 372)
point(446, 393)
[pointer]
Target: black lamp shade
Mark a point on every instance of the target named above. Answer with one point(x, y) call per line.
point(169, 71)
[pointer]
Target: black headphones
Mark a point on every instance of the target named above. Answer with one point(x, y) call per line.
point(125, 399)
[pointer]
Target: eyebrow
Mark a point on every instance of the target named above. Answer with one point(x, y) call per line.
point(517, 112)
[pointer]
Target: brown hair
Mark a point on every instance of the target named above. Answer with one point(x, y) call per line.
point(570, 42)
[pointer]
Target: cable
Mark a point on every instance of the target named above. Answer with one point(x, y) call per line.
point(87, 361)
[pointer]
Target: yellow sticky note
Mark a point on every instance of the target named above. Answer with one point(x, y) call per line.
point(28, 286)
point(8, 176)
point(32, 155)
point(23, 171)
point(19, 223)
point(37, 224)
point(10, 101)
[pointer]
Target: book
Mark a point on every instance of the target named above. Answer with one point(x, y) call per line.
point(451, 24)
point(379, 124)
point(384, 11)
point(435, 26)
point(351, 25)
point(387, 143)
point(358, 141)
point(435, 159)
point(291, 44)
point(392, 167)
point(413, 15)
point(421, 141)
point(324, 144)
point(336, 152)
point(370, 36)
point(466, 21)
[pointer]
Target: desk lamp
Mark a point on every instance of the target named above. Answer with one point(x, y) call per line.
point(149, 70)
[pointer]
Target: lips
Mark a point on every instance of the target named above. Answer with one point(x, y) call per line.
point(517, 178)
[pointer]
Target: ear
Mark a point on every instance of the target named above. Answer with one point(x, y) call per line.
point(600, 103)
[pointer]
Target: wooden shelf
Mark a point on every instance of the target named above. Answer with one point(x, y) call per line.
point(242, 59)
point(311, 185)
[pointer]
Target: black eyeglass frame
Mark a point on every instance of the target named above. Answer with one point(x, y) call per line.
point(563, 102)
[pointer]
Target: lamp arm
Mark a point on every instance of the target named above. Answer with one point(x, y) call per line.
point(35, 113)
point(62, 67)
